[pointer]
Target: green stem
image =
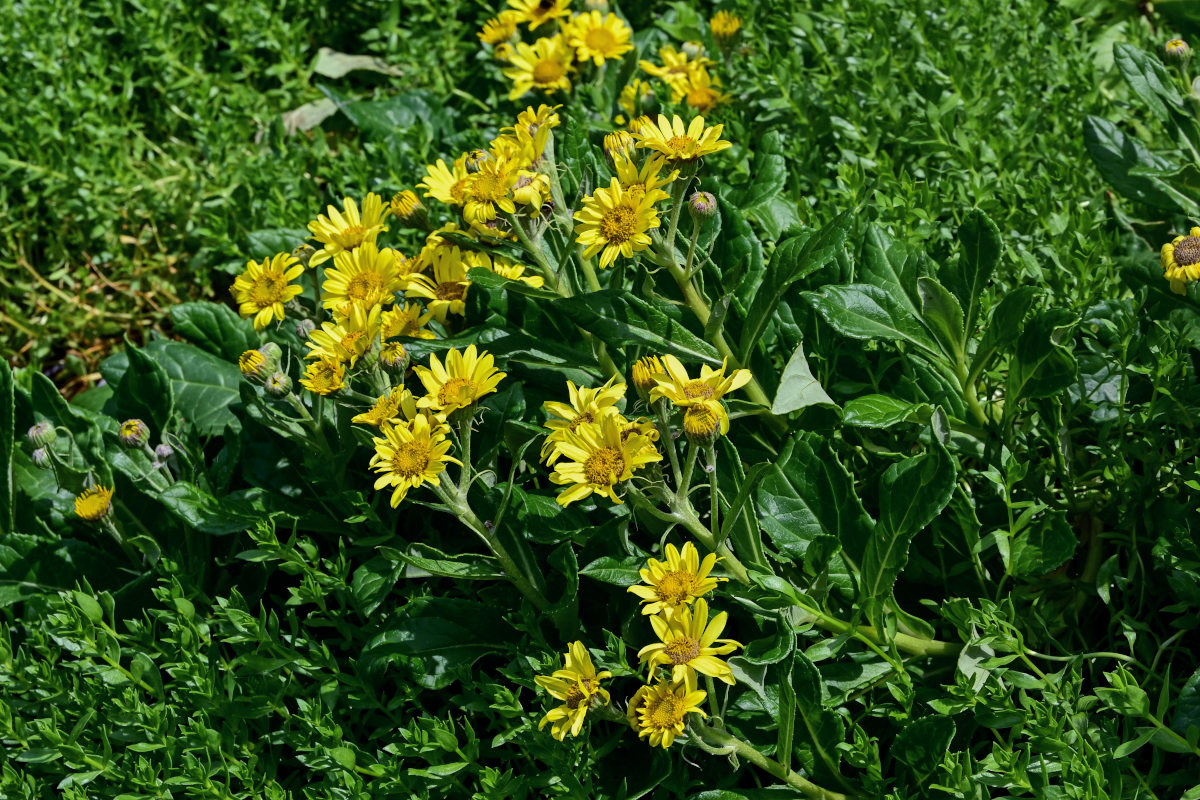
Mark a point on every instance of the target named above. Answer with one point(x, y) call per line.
point(714, 707)
point(714, 504)
point(668, 443)
point(715, 737)
point(464, 442)
point(688, 468)
point(687, 269)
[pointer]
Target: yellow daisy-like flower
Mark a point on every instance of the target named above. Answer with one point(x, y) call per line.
point(410, 455)
point(325, 376)
point(614, 223)
point(657, 712)
point(1181, 260)
point(407, 319)
point(677, 66)
point(347, 229)
point(531, 189)
point(94, 504)
point(490, 189)
point(385, 409)
point(598, 457)
point(446, 291)
point(636, 95)
point(365, 276)
point(446, 184)
point(532, 130)
point(682, 144)
point(646, 371)
point(577, 684)
point(619, 144)
point(704, 421)
point(251, 363)
point(725, 25)
point(689, 642)
point(586, 407)
point(467, 376)
point(539, 12)
point(598, 37)
point(644, 182)
point(678, 581)
point(545, 65)
point(393, 356)
point(503, 267)
point(713, 384)
point(347, 340)
point(702, 92)
point(409, 210)
point(500, 28)
point(262, 289)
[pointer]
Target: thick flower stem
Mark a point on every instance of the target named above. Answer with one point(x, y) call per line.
point(714, 737)
point(464, 442)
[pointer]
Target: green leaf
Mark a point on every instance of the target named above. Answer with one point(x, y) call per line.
point(423, 560)
point(1148, 79)
point(215, 328)
point(1187, 706)
point(1042, 366)
point(621, 572)
point(943, 316)
point(1005, 326)
point(798, 388)
point(863, 311)
point(893, 266)
point(200, 510)
point(332, 64)
point(8, 434)
point(205, 387)
point(970, 275)
point(794, 259)
point(487, 279)
point(1117, 156)
point(273, 241)
point(911, 493)
point(924, 743)
point(620, 318)
point(1043, 546)
point(822, 731)
point(884, 411)
point(144, 391)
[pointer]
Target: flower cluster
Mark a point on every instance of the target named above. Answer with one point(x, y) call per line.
point(567, 45)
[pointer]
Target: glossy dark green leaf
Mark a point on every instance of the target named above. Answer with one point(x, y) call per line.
point(1042, 365)
point(797, 387)
point(1004, 326)
point(487, 279)
point(373, 581)
point(273, 241)
point(970, 275)
point(943, 316)
point(619, 318)
point(893, 266)
point(1117, 156)
point(616, 571)
point(883, 411)
point(214, 328)
point(863, 311)
point(200, 510)
point(1046, 544)
point(1148, 79)
point(422, 561)
point(205, 387)
point(819, 732)
point(1187, 706)
point(144, 391)
point(923, 743)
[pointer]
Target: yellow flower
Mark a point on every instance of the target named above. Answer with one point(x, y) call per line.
point(677, 66)
point(407, 319)
point(712, 384)
point(500, 28)
point(682, 578)
point(619, 144)
point(537, 12)
point(325, 376)
point(466, 377)
point(704, 421)
point(646, 182)
point(598, 457)
point(614, 223)
point(689, 642)
point(347, 229)
point(409, 455)
point(531, 189)
point(94, 504)
point(725, 25)
point(578, 686)
point(409, 209)
point(645, 371)
point(386, 408)
point(532, 130)
point(587, 406)
point(347, 340)
point(444, 184)
point(682, 144)
point(490, 188)
point(251, 362)
point(658, 711)
point(503, 267)
point(263, 288)
point(393, 355)
point(365, 276)
point(702, 91)
point(1181, 261)
point(598, 37)
point(446, 291)
point(544, 66)
point(636, 95)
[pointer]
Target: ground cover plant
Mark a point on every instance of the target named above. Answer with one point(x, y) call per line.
point(756, 432)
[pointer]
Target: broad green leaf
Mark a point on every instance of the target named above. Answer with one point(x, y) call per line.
point(769, 171)
point(144, 391)
point(8, 407)
point(793, 259)
point(863, 311)
point(972, 272)
point(373, 582)
point(943, 316)
point(893, 266)
point(884, 411)
point(487, 279)
point(1004, 327)
point(205, 387)
point(1042, 365)
point(215, 328)
point(273, 241)
point(1148, 79)
point(619, 318)
point(1187, 706)
point(332, 64)
point(740, 254)
point(924, 743)
point(422, 561)
point(787, 710)
point(820, 735)
point(616, 571)
point(1044, 545)
point(1117, 155)
point(200, 510)
point(798, 388)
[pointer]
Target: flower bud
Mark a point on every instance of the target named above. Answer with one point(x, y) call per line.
point(702, 423)
point(41, 458)
point(304, 327)
point(409, 209)
point(134, 433)
point(619, 143)
point(253, 365)
point(42, 434)
point(476, 159)
point(692, 50)
point(164, 451)
point(303, 252)
point(1177, 51)
point(393, 356)
point(278, 384)
point(644, 372)
point(597, 5)
point(702, 206)
point(272, 353)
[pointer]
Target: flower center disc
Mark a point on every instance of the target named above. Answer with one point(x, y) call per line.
point(410, 460)
point(547, 71)
point(663, 714)
point(675, 587)
point(680, 145)
point(700, 421)
point(586, 416)
point(682, 650)
point(600, 39)
point(450, 291)
point(1187, 252)
point(267, 290)
point(698, 389)
point(457, 391)
point(619, 224)
point(351, 237)
point(365, 285)
point(604, 466)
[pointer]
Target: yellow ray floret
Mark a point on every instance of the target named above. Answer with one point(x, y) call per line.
point(724, 25)
point(688, 642)
point(678, 143)
point(539, 12)
point(597, 456)
point(410, 455)
point(598, 37)
point(446, 184)
point(94, 504)
point(446, 291)
point(405, 319)
point(646, 181)
point(467, 376)
point(346, 340)
point(678, 581)
point(365, 276)
point(545, 65)
point(658, 712)
point(614, 222)
point(713, 384)
point(263, 289)
point(324, 376)
point(577, 684)
point(347, 229)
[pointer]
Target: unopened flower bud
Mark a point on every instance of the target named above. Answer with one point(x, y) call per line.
point(702, 205)
point(692, 50)
point(1177, 51)
point(304, 327)
point(619, 143)
point(303, 252)
point(42, 434)
point(278, 384)
point(134, 433)
point(393, 356)
point(702, 423)
point(41, 458)
point(272, 353)
point(597, 5)
point(409, 209)
point(502, 51)
point(644, 372)
point(476, 159)
point(163, 451)
point(253, 365)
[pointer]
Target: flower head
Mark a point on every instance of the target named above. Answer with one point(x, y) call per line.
point(347, 340)
point(599, 455)
point(405, 319)
point(41, 434)
point(614, 222)
point(713, 384)
point(688, 642)
point(704, 421)
point(135, 433)
point(586, 406)
point(324, 376)
point(365, 276)
point(1177, 50)
point(94, 504)
point(657, 712)
point(263, 288)
point(577, 684)
point(446, 184)
point(545, 65)
point(410, 455)
point(446, 291)
point(408, 209)
point(347, 229)
point(598, 37)
point(1181, 260)
point(678, 143)
point(678, 581)
point(387, 407)
point(489, 189)
point(646, 181)
point(465, 378)
point(646, 371)
point(539, 12)
point(724, 25)
point(500, 28)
